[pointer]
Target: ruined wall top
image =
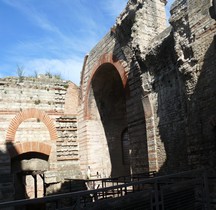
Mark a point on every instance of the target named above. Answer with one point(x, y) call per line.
point(49, 94)
point(140, 22)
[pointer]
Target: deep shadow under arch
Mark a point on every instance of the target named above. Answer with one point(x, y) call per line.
point(107, 103)
point(103, 60)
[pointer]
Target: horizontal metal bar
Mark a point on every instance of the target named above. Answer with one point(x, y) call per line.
point(79, 194)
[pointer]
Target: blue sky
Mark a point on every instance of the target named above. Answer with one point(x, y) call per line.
point(53, 35)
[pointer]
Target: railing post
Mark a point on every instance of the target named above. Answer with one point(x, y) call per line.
point(206, 192)
point(78, 202)
point(57, 204)
point(35, 185)
point(156, 193)
point(125, 190)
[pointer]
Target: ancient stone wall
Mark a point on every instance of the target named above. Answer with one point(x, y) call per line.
point(147, 19)
point(38, 121)
point(154, 83)
point(176, 75)
point(169, 91)
point(138, 24)
point(92, 141)
point(196, 50)
point(165, 91)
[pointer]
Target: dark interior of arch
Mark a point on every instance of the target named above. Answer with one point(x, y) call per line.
point(109, 94)
point(27, 164)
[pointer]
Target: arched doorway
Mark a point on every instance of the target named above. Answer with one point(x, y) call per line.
point(29, 162)
point(107, 111)
point(29, 141)
point(28, 169)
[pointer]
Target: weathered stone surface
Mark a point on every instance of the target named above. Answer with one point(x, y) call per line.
point(169, 92)
point(136, 26)
point(153, 81)
point(38, 124)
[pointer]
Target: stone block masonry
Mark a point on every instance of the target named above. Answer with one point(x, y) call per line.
point(38, 119)
point(67, 145)
point(137, 25)
point(169, 89)
point(147, 94)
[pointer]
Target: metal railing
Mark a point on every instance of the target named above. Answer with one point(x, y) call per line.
point(107, 182)
point(186, 191)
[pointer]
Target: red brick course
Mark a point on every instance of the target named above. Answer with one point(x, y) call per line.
point(31, 113)
point(105, 58)
point(25, 147)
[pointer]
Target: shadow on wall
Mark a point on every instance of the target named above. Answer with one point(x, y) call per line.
point(168, 90)
point(201, 122)
point(22, 175)
point(6, 178)
point(109, 94)
point(135, 118)
point(196, 79)
point(165, 88)
point(173, 83)
point(171, 111)
point(136, 124)
point(136, 121)
point(186, 106)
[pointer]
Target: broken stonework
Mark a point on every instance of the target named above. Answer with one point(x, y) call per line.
point(168, 77)
point(146, 103)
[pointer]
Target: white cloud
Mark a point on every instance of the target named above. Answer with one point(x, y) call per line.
point(33, 15)
point(69, 69)
point(54, 46)
point(57, 52)
point(63, 45)
point(79, 39)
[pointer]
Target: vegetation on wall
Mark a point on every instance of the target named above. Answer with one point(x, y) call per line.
point(51, 75)
point(20, 73)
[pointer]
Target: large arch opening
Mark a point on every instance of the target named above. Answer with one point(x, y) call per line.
point(107, 108)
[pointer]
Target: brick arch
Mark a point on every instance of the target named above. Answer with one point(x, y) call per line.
point(104, 59)
point(27, 114)
point(25, 147)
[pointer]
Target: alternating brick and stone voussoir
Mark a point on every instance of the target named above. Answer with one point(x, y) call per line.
point(38, 118)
